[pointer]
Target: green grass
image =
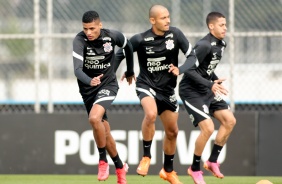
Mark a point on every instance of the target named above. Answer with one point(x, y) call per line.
point(134, 179)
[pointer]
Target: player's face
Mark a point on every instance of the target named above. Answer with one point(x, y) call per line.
point(92, 29)
point(161, 22)
point(218, 28)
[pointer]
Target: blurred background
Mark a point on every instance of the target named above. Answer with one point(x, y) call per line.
point(41, 109)
point(36, 68)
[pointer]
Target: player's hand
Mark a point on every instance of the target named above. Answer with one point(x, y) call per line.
point(96, 80)
point(218, 88)
point(173, 69)
point(128, 79)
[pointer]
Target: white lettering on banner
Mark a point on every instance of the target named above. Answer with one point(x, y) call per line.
point(68, 143)
point(86, 139)
point(133, 145)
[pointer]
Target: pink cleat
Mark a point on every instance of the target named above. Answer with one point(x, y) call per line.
point(197, 176)
point(103, 170)
point(121, 174)
point(213, 168)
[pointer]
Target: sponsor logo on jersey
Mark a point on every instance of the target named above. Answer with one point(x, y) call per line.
point(92, 62)
point(108, 47)
point(90, 51)
point(149, 39)
point(213, 64)
point(169, 44)
point(149, 50)
point(155, 64)
point(107, 38)
point(169, 35)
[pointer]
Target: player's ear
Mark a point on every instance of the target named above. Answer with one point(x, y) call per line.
point(100, 25)
point(153, 21)
point(211, 26)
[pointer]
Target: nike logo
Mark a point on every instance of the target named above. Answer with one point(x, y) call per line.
point(147, 146)
point(197, 160)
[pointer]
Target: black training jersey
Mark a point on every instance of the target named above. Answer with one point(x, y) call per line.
point(209, 51)
point(92, 58)
point(156, 53)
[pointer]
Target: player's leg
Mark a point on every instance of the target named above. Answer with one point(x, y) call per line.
point(148, 130)
point(169, 120)
point(121, 169)
point(99, 131)
point(227, 123)
point(111, 146)
point(198, 112)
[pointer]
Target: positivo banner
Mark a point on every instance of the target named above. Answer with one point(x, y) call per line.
point(64, 144)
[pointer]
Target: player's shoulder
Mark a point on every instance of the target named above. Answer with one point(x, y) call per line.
point(146, 35)
point(110, 32)
point(174, 29)
point(80, 37)
point(205, 41)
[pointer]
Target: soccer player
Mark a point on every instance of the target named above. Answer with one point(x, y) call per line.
point(157, 49)
point(93, 60)
point(201, 92)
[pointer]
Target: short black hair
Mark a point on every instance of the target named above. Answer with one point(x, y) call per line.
point(212, 16)
point(90, 16)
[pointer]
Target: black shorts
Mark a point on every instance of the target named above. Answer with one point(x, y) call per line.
point(201, 108)
point(104, 97)
point(163, 101)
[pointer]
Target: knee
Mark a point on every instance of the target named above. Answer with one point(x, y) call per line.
point(208, 131)
point(231, 122)
point(94, 120)
point(150, 117)
point(172, 133)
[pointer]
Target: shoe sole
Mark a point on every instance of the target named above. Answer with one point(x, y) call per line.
point(207, 168)
point(141, 173)
point(104, 179)
point(163, 176)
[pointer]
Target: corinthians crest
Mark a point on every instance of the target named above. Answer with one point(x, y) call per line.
point(169, 44)
point(108, 47)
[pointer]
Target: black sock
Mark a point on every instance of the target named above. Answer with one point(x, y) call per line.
point(117, 162)
point(196, 163)
point(215, 153)
point(103, 154)
point(168, 163)
point(147, 148)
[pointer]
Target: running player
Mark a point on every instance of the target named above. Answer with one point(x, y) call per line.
point(201, 95)
point(93, 59)
point(157, 50)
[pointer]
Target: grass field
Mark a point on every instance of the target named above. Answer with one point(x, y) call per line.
point(134, 179)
